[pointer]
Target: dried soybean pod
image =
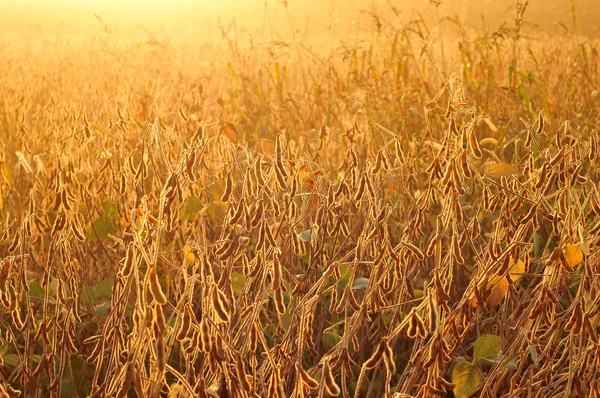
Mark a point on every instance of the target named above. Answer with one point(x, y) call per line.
point(474, 144)
point(540, 128)
point(189, 165)
point(185, 323)
point(155, 289)
point(258, 172)
point(205, 336)
point(240, 371)
point(361, 188)
point(280, 176)
point(14, 244)
point(219, 305)
point(375, 358)
point(593, 145)
point(76, 231)
point(330, 385)
point(306, 379)
point(238, 213)
point(279, 302)
point(129, 260)
point(466, 171)
point(228, 189)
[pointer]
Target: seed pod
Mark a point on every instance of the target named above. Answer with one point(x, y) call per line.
point(276, 282)
point(238, 213)
point(464, 165)
point(528, 139)
point(258, 172)
point(330, 385)
point(76, 231)
point(447, 177)
point(219, 305)
point(98, 349)
point(269, 235)
point(280, 176)
point(205, 337)
point(361, 188)
point(186, 322)
point(65, 200)
point(159, 318)
point(258, 214)
point(155, 289)
point(306, 379)
point(388, 358)
point(129, 260)
point(416, 327)
point(278, 156)
point(433, 314)
point(161, 353)
point(370, 187)
point(593, 146)
point(540, 128)
point(378, 163)
point(474, 145)
point(14, 244)
point(433, 244)
point(414, 250)
point(294, 188)
point(279, 302)
point(253, 338)
point(530, 214)
point(375, 357)
point(274, 383)
point(228, 249)
point(190, 162)
point(240, 371)
point(126, 385)
point(228, 189)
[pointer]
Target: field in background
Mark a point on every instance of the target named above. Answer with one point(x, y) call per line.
point(401, 207)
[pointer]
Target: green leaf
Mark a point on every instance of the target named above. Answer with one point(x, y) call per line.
point(501, 360)
point(36, 290)
point(104, 288)
point(346, 274)
point(110, 208)
point(238, 280)
point(191, 207)
point(487, 346)
point(100, 228)
point(466, 378)
point(305, 235)
point(331, 338)
point(102, 309)
point(360, 283)
point(523, 94)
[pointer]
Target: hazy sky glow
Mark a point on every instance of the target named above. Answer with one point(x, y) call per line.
point(73, 15)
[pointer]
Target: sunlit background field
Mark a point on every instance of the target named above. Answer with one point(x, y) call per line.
point(299, 198)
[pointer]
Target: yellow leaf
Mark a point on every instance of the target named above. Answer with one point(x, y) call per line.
point(306, 177)
point(498, 286)
point(573, 255)
point(229, 130)
point(466, 378)
point(497, 170)
point(190, 257)
point(516, 270)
